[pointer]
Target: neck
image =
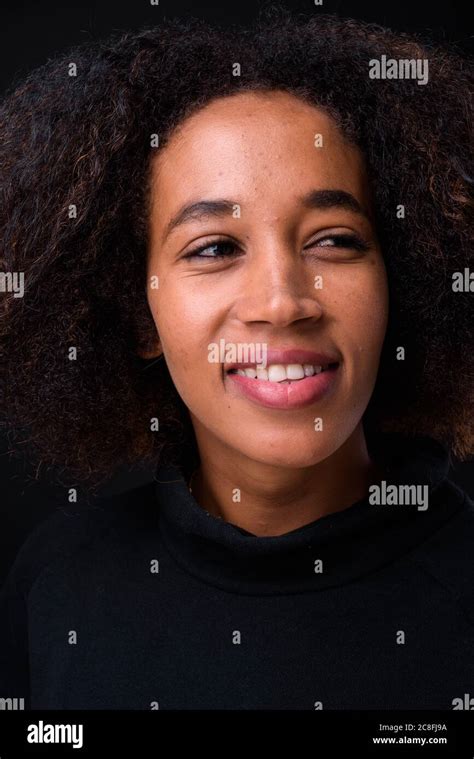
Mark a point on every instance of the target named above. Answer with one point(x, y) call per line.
point(268, 500)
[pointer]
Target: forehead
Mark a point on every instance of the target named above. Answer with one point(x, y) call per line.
point(257, 147)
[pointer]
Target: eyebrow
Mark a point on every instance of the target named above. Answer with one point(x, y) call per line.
point(313, 200)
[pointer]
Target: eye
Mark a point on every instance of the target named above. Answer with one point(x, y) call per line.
point(341, 241)
point(221, 249)
point(214, 250)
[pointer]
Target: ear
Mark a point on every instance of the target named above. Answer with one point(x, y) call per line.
point(150, 350)
point(149, 354)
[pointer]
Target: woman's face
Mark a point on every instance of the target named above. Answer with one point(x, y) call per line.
point(285, 273)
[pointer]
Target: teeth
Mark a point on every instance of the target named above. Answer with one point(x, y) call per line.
point(280, 372)
point(277, 373)
point(295, 371)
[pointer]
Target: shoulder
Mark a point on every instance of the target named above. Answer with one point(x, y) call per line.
point(73, 529)
point(448, 554)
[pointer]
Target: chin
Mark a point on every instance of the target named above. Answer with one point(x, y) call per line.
point(293, 452)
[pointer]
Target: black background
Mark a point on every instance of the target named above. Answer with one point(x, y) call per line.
point(31, 33)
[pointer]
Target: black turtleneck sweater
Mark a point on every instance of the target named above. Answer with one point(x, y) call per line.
point(151, 602)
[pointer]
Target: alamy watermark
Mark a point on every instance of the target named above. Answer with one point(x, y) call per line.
point(46, 733)
point(399, 495)
point(404, 68)
point(12, 282)
point(240, 353)
point(466, 702)
point(12, 704)
point(463, 281)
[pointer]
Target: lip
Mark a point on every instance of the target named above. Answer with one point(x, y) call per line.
point(289, 356)
point(287, 395)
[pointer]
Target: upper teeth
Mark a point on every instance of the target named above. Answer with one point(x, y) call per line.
point(280, 372)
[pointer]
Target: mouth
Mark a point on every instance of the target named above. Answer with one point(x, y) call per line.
point(282, 373)
point(289, 384)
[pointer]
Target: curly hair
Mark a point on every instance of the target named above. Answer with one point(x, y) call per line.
point(83, 142)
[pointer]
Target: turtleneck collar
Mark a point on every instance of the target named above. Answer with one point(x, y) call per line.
point(329, 551)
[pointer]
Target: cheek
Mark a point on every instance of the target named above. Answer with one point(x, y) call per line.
point(186, 325)
point(360, 308)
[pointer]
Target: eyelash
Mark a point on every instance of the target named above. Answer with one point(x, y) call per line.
point(342, 241)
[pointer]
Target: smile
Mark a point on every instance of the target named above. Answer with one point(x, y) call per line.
point(281, 372)
point(283, 386)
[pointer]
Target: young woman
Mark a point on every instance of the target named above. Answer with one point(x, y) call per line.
point(244, 258)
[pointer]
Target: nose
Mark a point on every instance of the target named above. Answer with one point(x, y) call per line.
point(278, 286)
